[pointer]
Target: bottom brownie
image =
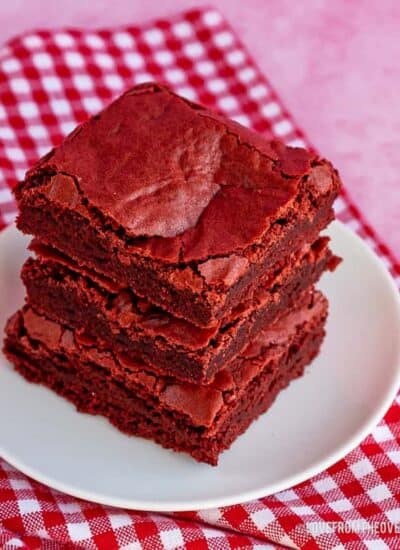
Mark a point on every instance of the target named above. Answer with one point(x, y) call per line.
point(199, 420)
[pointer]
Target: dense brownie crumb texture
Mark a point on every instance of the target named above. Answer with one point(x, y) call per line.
point(175, 253)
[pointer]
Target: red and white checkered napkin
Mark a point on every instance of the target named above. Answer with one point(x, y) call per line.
point(49, 82)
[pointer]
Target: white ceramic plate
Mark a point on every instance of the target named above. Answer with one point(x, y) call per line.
point(313, 423)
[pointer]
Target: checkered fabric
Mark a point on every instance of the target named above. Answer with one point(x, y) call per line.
point(49, 82)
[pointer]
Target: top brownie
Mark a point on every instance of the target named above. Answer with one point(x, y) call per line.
point(187, 208)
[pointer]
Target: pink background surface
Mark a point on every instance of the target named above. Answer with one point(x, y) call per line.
point(335, 65)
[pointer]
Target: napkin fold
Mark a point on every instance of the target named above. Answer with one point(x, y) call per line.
point(49, 82)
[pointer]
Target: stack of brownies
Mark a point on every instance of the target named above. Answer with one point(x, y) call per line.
point(172, 283)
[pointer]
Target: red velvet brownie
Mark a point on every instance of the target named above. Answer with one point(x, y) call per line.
point(131, 326)
point(186, 208)
point(199, 420)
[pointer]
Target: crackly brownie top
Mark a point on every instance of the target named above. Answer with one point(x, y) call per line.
point(184, 184)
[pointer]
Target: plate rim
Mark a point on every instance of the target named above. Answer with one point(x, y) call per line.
point(245, 496)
